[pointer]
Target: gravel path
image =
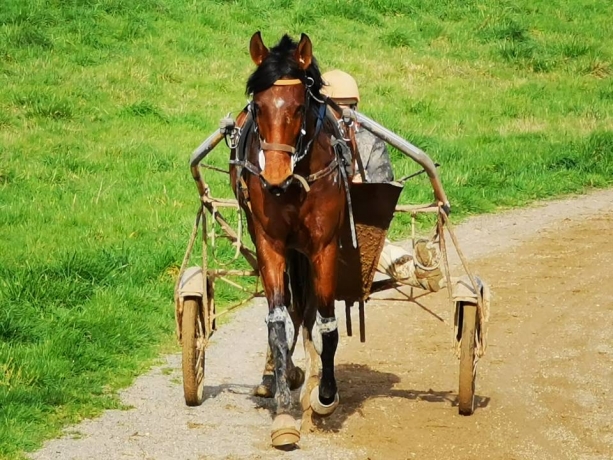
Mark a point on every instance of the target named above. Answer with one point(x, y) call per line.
point(231, 424)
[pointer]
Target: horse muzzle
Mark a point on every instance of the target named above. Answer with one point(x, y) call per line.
point(276, 188)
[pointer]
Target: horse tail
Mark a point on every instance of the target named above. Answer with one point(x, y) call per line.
point(301, 287)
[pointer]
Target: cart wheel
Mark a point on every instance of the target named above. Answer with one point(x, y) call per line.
point(468, 370)
point(193, 333)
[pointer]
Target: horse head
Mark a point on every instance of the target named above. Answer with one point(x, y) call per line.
point(282, 87)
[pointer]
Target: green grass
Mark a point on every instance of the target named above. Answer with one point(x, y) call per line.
point(102, 102)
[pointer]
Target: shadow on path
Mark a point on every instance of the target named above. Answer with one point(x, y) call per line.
point(359, 383)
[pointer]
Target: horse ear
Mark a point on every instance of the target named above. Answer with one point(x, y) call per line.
point(304, 52)
point(257, 49)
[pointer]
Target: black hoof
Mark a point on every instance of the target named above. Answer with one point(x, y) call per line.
point(266, 389)
point(296, 378)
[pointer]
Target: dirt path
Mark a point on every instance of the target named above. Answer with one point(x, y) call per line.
point(544, 387)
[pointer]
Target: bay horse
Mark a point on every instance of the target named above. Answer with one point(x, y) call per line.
point(287, 176)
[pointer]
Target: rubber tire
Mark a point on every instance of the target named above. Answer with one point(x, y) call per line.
point(192, 389)
point(466, 394)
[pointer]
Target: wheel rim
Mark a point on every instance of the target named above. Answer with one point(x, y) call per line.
point(194, 352)
point(468, 367)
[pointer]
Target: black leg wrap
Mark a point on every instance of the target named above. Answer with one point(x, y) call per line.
point(327, 384)
point(279, 346)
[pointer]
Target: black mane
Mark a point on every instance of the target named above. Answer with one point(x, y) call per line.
point(280, 63)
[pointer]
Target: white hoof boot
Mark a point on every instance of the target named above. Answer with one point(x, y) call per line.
point(318, 407)
point(284, 432)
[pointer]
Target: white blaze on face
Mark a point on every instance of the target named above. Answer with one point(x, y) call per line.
point(279, 101)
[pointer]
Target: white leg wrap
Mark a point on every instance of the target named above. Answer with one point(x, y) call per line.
point(280, 314)
point(322, 325)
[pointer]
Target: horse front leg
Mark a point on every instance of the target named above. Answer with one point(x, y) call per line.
point(266, 388)
point(324, 333)
point(271, 260)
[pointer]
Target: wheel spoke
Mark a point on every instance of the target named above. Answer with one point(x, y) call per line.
point(199, 360)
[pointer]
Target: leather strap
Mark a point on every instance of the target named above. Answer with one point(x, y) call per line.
point(293, 81)
point(276, 146)
point(323, 172)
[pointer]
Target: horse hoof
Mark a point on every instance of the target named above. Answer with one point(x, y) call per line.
point(296, 379)
point(284, 432)
point(320, 408)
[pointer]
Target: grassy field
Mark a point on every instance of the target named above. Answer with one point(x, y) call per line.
point(102, 101)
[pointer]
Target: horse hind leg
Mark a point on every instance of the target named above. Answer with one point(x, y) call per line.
point(267, 387)
point(312, 369)
point(324, 398)
point(297, 266)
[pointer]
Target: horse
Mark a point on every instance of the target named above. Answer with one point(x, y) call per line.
point(289, 179)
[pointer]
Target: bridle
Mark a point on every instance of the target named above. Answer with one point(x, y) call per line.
point(300, 149)
point(302, 146)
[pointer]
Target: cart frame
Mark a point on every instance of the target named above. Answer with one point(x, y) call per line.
point(196, 285)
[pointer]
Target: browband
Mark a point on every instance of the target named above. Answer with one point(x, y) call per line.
point(293, 81)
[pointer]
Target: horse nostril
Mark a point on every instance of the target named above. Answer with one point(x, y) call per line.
point(276, 190)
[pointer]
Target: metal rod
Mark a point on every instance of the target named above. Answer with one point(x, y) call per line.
point(197, 156)
point(215, 168)
point(211, 304)
point(413, 152)
point(417, 209)
point(232, 235)
point(220, 201)
point(222, 272)
point(208, 320)
point(242, 302)
point(415, 174)
point(188, 253)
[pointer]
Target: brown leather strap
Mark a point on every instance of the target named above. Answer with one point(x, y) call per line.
point(275, 146)
point(323, 172)
point(293, 81)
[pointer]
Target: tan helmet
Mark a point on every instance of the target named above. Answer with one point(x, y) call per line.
point(341, 87)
